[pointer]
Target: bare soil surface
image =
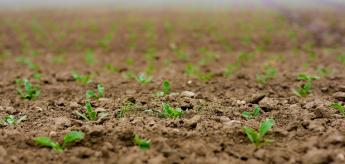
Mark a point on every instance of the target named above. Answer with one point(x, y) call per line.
point(306, 130)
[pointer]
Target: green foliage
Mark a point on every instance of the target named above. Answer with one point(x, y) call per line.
point(73, 136)
point(90, 114)
point(245, 57)
point(48, 142)
point(128, 106)
point(341, 58)
point(99, 94)
point(30, 92)
point(324, 71)
point(230, 69)
point(269, 73)
point(82, 79)
point(182, 55)
point(170, 112)
point(252, 114)
point(144, 79)
point(112, 68)
point(90, 58)
point(194, 71)
point(165, 89)
point(257, 138)
point(143, 144)
point(305, 89)
point(339, 107)
point(27, 61)
point(58, 59)
point(12, 120)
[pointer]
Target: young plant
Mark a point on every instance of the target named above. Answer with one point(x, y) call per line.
point(339, 107)
point(165, 89)
point(27, 61)
point(230, 69)
point(90, 58)
point(128, 106)
point(269, 73)
point(257, 137)
point(73, 136)
point(90, 113)
point(92, 94)
point(170, 112)
point(305, 89)
point(252, 114)
point(30, 92)
point(82, 79)
point(143, 144)
point(111, 68)
point(324, 71)
point(12, 120)
point(143, 79)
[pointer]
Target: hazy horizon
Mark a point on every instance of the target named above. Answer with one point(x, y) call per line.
point(164, 3)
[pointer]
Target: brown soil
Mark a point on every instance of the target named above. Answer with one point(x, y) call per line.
point(306, 130)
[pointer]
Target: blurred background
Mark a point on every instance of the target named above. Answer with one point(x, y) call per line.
point(168, 3)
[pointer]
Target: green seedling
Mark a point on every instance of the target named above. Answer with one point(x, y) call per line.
point(129, 75)
point(170, 112)
point(27, 61)
point(143, 79)
point(230, 69)
point(73, 136)
point(182, 55)
point(112, 68)
point(257, 137)
point(129, 61)
point(143, 144)
point(324, 71)
point(165, 89)
point(90, 114)
point(30, 92)
point(37, 76)
point(252, 114)
point(92, 94)
point(305, 89)
point(149, 69)
point(58, 59)
point(82, 79)
point(128, 106)
point(12, 120)
point(193, 71)
point(269, 73)
point(339, 107)
point(341, 58)
point(90, 58)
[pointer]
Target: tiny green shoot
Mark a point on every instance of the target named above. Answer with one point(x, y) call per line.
point(82, 79)
point(73, 136)
point(252, 114)
point(29, 92)
point(269, 73)
point(257, 137)
point(165, 89)
point(143, 144)
point(144, 79)
point(12, 120)
point(170, 112)
point(99, 94)
point(90, 114)
point(305, 89)
point(339, 107)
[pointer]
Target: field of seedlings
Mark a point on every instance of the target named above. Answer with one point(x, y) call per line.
point(172, 87)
